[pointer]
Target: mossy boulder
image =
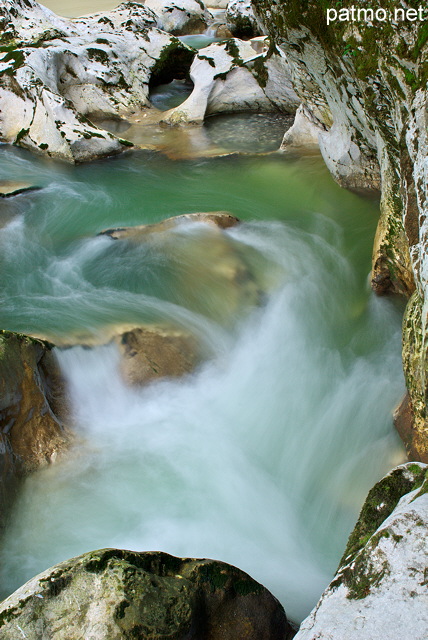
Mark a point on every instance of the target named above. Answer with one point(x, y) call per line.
point(380, 589)
point(113, 594)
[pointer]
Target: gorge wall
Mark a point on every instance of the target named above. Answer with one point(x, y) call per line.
point(364, 84)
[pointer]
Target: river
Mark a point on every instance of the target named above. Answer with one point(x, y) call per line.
point(263, 456)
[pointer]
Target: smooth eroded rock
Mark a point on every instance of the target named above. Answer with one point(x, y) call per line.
point(154, 352)
point(204, 268)
point(119, 595)
point(32, 405)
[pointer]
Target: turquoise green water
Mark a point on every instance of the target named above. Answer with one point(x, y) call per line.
point(263, 456)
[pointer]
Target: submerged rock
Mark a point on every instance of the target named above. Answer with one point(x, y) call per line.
point(380, 589)
point(117, 595)
point(220, 219)
point(9, 188)
point(56, 71)
point(31, 408)
point(154, 352)
point(204, 268)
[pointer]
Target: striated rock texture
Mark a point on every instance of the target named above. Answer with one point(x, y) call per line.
point(54, 72)
point(118, 595)
point(380, 590)
point(365, 86)
point(31, 407)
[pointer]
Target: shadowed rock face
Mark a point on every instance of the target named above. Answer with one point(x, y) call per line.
point(380, 589)
point(366, 87)
point(122, 595)
point(31, 389)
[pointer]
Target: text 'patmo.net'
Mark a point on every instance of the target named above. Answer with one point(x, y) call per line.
point(357, 14)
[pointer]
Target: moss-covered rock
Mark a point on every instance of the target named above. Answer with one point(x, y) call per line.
point(380, 589)
point(123, 595)
point(365, 83)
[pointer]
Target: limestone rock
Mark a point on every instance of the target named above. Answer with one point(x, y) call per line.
point(9, 189)
point(380, 590)
point(240, 16)
point(304, 132)
point(31, 407)
point(232, 77)
point(154, 352)
point(56, 71)
point(179, 17)
point(371, 105)
point(116, 595)
point(219, 219)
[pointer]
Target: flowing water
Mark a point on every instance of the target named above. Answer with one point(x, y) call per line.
point(263, 456)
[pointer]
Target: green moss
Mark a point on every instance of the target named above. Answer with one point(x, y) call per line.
point(97, 54)
point(21, 135)
point(260, 72)
point(380, 503)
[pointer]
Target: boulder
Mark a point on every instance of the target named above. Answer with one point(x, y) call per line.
point(153, 352)
point(113, 594)
point(380, 589)
point(241, 19)
point(55, 72)
point(32, 408)
point(180, 17)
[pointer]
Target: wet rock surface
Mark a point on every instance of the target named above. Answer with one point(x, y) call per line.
point(154, 352)
point(114, 594)
point(380, 589)
point(32, 405)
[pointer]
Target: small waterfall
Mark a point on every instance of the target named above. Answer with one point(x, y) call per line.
point(261, 458)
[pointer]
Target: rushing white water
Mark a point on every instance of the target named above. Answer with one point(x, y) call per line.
point(262, 457)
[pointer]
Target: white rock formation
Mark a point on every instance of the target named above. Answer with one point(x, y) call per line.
point(381, 590)
point(240, 16)
point(231, 77)
point(304, 133)
point(54, 71)
point(180, 17)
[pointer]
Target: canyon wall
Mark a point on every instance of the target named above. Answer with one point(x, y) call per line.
point(364, 84)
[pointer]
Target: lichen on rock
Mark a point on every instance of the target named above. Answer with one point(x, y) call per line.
point(380, 589)
point(114, 594)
